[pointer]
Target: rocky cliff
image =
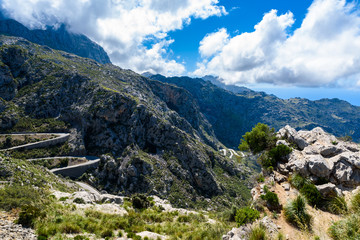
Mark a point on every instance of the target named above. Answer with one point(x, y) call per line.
point(231, 115)
point(60, 39)
point(159, 145)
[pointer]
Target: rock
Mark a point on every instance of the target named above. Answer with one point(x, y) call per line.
point(343, 172)
point(327, 190)
point(87, 197)
point(292, 136)
point(286, 186)
point(330, 151)
point(270, 226)
point(279, 178)
point(282, 142)
point(111, 198)
point(319, 166)
point(240, 233)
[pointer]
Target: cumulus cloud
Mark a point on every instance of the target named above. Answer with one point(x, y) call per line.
point(120, 26)
point(323, 51)
point(213, 43)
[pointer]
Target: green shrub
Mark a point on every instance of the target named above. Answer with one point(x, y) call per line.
point(338, 205)
point(297, 181)
point(28, 215)
point(296, 214)
point(316, 238)
point(246, 215)
point(312, 194)
point(272, 200)
point(260, 138)
point(16, 196)
point(278, 153)
point(140, 201)
point(306, 188)
point(355, 202)
point(260, 178)
point(107, 233)
point(79, 201)
point(80, 237)
point(280, 236)
point(257, 233)
point(348, 228)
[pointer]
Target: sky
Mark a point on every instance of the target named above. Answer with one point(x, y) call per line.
point(307, 48)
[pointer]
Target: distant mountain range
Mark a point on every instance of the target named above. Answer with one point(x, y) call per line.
point(59, 39)
point(236, 110)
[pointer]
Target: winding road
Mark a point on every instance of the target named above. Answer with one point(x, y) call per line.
point(74, 171)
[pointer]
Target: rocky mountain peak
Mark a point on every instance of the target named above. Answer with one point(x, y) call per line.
point(57, 38)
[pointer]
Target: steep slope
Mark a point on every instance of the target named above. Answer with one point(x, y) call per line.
point(231, 115)
point(110, 110)
point(59, 39)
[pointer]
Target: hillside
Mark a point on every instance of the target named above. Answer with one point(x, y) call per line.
point(231, 115)
point(155, 149)
point(59, 39)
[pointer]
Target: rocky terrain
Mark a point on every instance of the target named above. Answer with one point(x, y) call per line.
point(329, 164)
point(231, 114)
point(165, 147)
point(59, 39)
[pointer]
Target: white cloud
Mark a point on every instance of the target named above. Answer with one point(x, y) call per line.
point(120, 26)
point(324, 51)
point(213, 43)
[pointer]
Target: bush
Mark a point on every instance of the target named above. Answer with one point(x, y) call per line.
point(338, 205)
point(306, 188)
point(272, 200)
point(107, 233)
point(80, 237)
point(260, 138)
point(297, 181)
point(257, 233)
point(140, 201)
point(295, 213)
point(355, 202)
point(348, 228)
point(79, 201)
point(246, 215)
point(28, 215)
point(312, 194)
point(16, 196)
point(278, 153)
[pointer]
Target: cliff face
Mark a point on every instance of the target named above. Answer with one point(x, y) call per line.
point(59, 39)
point(231, 115)
point(162, 146)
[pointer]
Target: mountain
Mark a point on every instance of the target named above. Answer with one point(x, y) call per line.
point(59, 39)
point(231, 115)
point(232, 88)
point(156, 139)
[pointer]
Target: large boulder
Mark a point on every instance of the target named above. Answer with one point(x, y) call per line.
point(319, 166)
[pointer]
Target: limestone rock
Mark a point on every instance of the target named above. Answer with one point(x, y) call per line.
point(327, 190)
point(319, 166)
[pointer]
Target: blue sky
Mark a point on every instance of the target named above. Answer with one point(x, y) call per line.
point(307, 48)
point(242, 16)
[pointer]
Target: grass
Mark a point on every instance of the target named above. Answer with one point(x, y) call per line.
point(63, 219)
point(258, 233)
point(338, 206)
point(348, 228)
point(296, 214)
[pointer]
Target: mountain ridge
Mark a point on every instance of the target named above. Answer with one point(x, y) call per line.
point(59, 39)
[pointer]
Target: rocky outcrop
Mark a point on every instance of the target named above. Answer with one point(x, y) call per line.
point(60, 39)
point(322, 156)
point(9, 230)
